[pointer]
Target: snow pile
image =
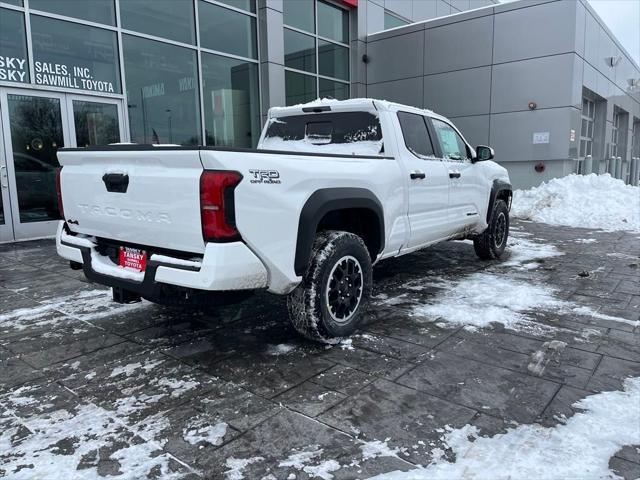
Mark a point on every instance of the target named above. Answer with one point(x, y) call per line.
point(588, 201)
point(581, 447)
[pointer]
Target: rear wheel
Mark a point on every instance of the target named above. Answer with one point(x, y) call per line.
point(334, 293)
point(491, 243)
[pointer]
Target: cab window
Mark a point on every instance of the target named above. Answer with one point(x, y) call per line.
point(451, 143)
point(416, 135)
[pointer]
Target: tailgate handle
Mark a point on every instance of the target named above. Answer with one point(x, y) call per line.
point(116, 182)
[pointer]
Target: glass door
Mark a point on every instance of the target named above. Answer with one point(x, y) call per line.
point(35, 125)
point(6, 227)
point(33, 133)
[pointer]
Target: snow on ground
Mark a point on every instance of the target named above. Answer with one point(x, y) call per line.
point(202, 431)
point(86, 305)
point(526, 254)
point(91, 428)
point(481, 299)
point(581, 447)
point(586, 201)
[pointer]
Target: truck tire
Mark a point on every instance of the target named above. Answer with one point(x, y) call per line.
point(332, 298)
point(491, 243)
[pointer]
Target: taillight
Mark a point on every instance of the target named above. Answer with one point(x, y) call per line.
point(59, 193)
point(217, 205)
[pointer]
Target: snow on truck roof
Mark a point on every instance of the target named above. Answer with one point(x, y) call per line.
point(352, 104)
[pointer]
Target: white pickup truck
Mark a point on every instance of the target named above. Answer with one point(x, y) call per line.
point(333, 188)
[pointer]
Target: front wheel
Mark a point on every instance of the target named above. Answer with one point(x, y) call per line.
point(491, 243)
point(335, 290)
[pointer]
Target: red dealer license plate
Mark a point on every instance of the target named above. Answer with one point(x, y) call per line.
point(133, 258)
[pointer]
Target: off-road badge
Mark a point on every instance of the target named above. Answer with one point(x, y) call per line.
point(265, 176)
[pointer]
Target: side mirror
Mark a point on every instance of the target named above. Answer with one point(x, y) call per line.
point(484, 153)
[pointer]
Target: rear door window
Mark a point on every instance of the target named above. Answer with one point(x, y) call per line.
point(344, 133)
point(416, 135)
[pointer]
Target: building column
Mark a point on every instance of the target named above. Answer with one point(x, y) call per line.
point(271, 42)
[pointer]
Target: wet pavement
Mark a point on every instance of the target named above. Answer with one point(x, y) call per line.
point(89, 388)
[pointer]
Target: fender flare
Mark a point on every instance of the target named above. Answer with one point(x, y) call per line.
point(498, 187)
point(324, 201)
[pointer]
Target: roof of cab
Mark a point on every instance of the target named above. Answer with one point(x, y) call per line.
point(364, 104)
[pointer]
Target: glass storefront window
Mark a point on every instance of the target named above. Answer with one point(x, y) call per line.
point(391, 21)
point(17, 3)
point(162, 92)
point(36, 136)
point(333, 60)
point(95, 123)
point(14, 65)
point(99, 11)
point(231, 101)
point(333, 22)
point(74, 56)
point(299, 51)
point(248, 5)
point(337, 90)
point(172, 19)
point(300, 14)
point(299, 88)
point(227, 31)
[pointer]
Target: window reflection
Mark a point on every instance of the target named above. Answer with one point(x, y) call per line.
point(172, 19)
point(71, 55)
point(227, 31)
point(333, 60)
point(333, 22)
point(14, 66)
point(299, 51)
point(95, 123)
point(162, 92)
point(299, 88)
point(231, 101)
point(36, 135)
point(300, 14)
point(331, 89)
point(99, 11)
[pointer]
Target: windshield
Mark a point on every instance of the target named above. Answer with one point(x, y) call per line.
point(343, 133)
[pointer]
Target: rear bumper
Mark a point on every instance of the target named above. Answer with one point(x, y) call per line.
point(224, 266)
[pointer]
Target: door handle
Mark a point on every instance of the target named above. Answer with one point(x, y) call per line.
point(417, 174)
point(454, 174)
point(3, 176)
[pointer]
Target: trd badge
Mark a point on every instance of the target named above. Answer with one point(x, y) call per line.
point(265, 176)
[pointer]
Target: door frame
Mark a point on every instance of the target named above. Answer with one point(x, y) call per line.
point(6, 228)
point(13, 229)
point(71, 124)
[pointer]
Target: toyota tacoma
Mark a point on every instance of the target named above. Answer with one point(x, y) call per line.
point(333, 188)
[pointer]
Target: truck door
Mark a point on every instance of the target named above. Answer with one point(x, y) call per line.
point(427, 180)
point(466, 192)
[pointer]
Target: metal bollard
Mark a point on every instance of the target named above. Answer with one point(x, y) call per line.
point(587, 165)
point(635, 171)
point(624, 170)
point(618, 167)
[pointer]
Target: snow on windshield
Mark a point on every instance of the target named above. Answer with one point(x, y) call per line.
point(343, 133)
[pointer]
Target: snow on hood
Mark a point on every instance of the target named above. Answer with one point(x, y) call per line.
point(587, 201)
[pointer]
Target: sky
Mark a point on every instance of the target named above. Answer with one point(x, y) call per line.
point(623, 19)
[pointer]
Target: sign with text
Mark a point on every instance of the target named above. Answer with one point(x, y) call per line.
point(61, 75)
point(14, 69)
point(540, 137)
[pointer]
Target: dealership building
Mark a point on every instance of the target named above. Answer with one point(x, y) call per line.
point(542, 81)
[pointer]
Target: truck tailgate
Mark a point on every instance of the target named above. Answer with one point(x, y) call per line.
point(148, 197)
